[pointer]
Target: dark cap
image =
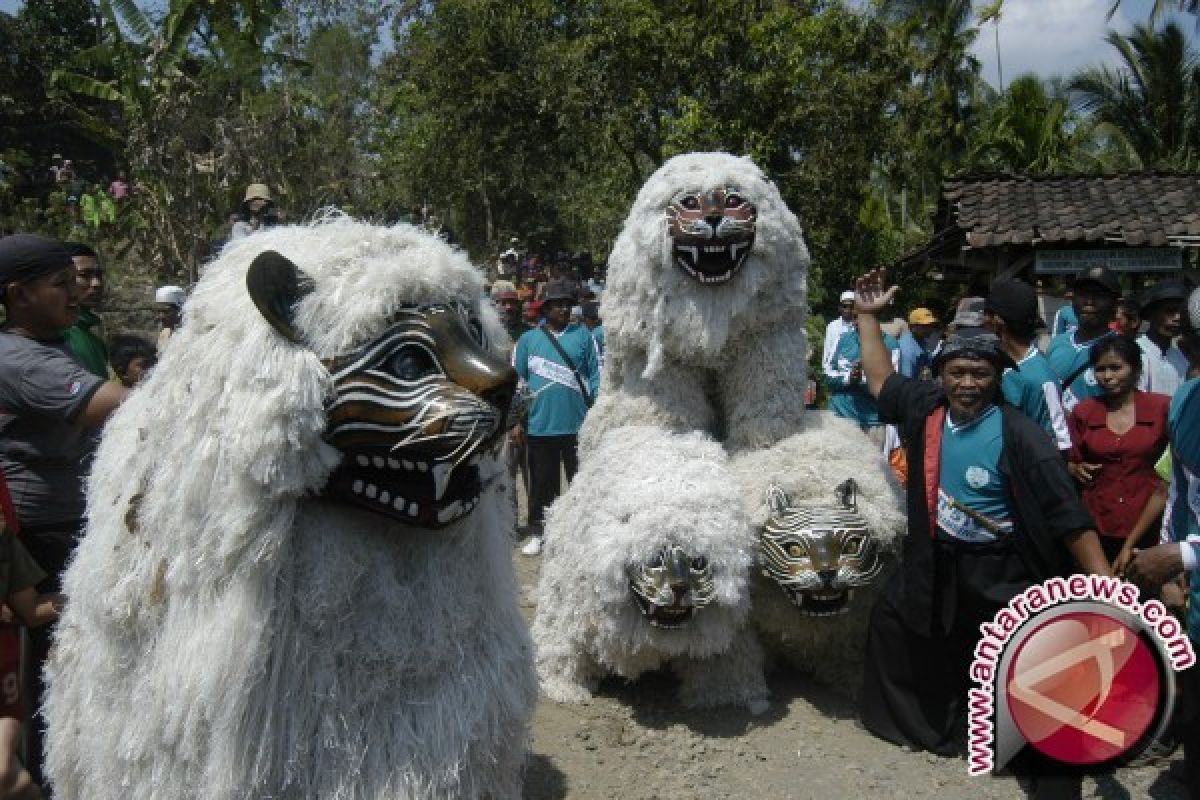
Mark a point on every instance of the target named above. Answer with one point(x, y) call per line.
point(1163, 291)
point(977, 343)
point(559, 290)
point(1015, 302)
point(26, 256)
point(1103, 277)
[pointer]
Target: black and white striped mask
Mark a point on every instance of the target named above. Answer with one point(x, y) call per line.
point(416, 410)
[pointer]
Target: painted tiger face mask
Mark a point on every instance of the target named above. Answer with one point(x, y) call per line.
point(415, 410)
point(712, 232)
point(818, 555)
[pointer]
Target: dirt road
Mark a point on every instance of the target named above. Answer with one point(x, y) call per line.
point(633, 742)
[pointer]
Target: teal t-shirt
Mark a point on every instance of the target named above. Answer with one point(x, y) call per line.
point(1181, 519)
point(1032, 388)
point(558, 407)
point(969, 475)
point(852, 400)
point(1065, 356)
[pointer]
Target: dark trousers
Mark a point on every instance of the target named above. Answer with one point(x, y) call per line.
point(51, 547)
point(545, 456)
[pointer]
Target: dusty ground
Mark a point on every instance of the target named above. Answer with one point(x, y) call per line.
point(634, 743)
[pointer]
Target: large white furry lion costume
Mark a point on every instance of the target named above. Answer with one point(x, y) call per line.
point(232, 635)
point(704, 316)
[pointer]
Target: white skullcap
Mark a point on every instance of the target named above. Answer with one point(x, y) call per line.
point(170, 294)
point(846, 295)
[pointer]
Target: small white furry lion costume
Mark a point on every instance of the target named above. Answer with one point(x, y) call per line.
point(587, 624)
point(704, 316)
point(231, 635)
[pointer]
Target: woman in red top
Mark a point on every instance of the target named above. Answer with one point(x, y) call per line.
point(1118, 438)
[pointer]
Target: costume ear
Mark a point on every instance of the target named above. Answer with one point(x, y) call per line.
point(777, 499)
point(276, 285)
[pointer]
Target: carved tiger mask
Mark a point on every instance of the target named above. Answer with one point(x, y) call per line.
point(712, 232)
point(671, 586)
point(415, 410)
point(818, 555)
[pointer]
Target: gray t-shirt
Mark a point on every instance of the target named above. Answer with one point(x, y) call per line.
point(43, 451)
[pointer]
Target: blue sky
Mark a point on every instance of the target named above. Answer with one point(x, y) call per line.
point(1049, 37)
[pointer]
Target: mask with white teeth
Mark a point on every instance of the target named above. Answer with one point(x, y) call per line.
point(818, 554)
point(712, 232)
point(417, 410)
point(671, 586)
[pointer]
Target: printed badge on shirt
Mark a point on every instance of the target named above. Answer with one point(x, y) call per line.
point(959, 524)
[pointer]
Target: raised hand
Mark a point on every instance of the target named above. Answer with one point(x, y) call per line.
point(871, 294)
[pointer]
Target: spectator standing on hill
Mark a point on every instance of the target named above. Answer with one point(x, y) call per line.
point(258, 211)
point(1010, 311)
point(168, 305)
point(1094, 298)
point(119, 188)
point(558, 364)
point(1164, 365)
point(86, 337)
point(51, 407)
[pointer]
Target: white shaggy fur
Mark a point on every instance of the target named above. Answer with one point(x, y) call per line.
point(587, 624)
point(229, 635)
point(808, 466)
point(728, 359)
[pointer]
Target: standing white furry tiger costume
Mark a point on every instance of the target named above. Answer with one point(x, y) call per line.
point(704, 315)
point(230, 634)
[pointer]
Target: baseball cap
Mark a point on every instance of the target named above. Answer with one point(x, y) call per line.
point(1013, 301)
point(257, 191)
point(1161, 291)
point(559, 290)
point(1099, 276)
point(847, 296)
point(922, 316)
point(27, 256)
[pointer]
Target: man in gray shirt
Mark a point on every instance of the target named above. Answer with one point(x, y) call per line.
point(50, 406)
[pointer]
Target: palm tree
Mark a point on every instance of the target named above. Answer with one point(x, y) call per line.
point(1161, 7)
point(1152, 100)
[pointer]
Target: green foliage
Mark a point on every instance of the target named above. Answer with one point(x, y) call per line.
point(1152, 100)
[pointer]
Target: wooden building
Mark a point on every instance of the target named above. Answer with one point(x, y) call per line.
point(1045, 229)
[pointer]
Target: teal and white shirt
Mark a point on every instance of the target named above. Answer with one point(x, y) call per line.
point(969, 476)
point(1032, 388)
point(1065, 356)
point(558, 407)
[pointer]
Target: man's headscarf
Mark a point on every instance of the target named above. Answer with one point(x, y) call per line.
point(976, 343)
point(26, 257)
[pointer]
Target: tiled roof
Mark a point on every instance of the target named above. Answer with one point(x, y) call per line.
point(1135, 209)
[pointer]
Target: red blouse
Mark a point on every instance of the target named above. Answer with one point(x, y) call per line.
point(1126, 479)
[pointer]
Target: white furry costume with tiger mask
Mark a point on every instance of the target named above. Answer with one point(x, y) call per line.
point(296, 577)
point(704, 314)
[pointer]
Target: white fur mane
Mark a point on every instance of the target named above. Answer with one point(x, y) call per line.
point(650, 304)
point(213, 596)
